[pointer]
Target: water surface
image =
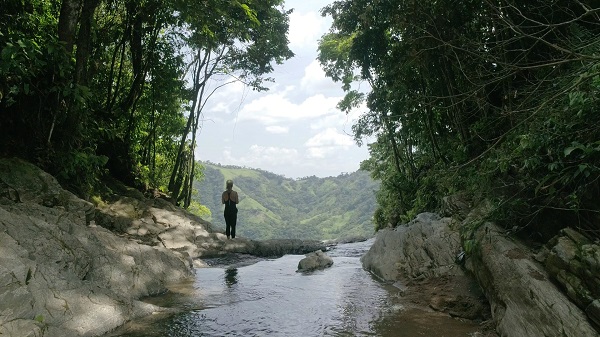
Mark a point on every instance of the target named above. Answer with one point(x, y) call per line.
point(269, 298)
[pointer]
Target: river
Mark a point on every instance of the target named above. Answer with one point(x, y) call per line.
point(269, 298)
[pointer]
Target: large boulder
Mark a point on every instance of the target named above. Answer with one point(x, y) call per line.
point(420, 258)
point(22, 182)
point(60, 275)
point(68, 268)
point(425, 247)
point(314, 261)
point(155, 222)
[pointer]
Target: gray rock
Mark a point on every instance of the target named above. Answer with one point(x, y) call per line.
point(63, 270)
point(314, 261)
point(524, 300)
point(593, 312)
point(280, 247)
point(425, 247)
point(60, 276)
point(456, 205)
point(574, 263)
point(421, 255)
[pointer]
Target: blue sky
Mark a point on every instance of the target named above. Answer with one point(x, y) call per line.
point(294, 129)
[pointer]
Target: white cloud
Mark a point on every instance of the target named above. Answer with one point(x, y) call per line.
point(328, 142)
point(305, 30)
point(330, 137)
point(220, 107)
point(277, 129)
point(294, 128)
point(264, 156)
point(276, 108)
point(319, 152)
point(333, 120)
point(314, 79)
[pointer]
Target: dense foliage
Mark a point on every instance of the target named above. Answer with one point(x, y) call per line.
point(93, 85)
point(272, 206)
point(499, 99)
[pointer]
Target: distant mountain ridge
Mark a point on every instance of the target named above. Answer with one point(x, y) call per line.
point(273, 206)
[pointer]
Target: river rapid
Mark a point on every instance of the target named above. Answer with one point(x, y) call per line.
point(245, 297)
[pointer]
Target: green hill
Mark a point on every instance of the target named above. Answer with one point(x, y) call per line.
point(272, 206)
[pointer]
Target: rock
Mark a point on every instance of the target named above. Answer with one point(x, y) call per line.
point(68, 268)
point(524, 300)
point(315, 260)
point(574, 263)
point(280, 247)
point(593, 312)
point(425, 247)
point(22, 182)
point(61, 277)
point(457, 206)
point(157, 222)
point(421, 255)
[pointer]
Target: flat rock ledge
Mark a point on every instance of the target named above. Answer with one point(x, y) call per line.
point(72, 268)
point(157, 222)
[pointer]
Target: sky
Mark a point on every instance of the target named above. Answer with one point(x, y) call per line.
point(293, 129)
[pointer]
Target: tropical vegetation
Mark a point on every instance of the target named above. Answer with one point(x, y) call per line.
point(95, 87)
point(499, 100)
point(495, 100)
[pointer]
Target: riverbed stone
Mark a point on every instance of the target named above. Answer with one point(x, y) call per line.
point(314, 261)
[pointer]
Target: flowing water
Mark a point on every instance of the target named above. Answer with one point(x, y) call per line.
point(269, 298)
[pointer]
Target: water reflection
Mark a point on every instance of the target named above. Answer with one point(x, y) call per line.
point(231, 277)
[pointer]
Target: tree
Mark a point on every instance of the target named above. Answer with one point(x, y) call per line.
point(463, 97)
point(238, 47)
point(89, 87)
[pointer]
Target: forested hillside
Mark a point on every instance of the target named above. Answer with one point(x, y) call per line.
point(272, 206)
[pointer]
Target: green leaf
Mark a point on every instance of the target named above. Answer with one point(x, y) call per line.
point(574, 146)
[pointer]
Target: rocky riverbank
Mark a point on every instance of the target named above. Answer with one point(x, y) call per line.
point(72, 268)
point(503, 283)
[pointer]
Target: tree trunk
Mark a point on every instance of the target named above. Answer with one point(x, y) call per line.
point(67, 22)
point(84, 41)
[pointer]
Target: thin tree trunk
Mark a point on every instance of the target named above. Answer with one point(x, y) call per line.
point(392, 137)
point(197, 85)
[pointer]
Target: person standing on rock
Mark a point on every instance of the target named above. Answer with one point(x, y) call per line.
point(230, 200)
